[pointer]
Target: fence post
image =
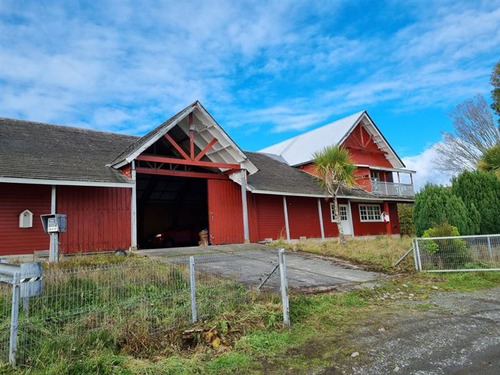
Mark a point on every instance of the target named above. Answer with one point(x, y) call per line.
point(284, 288)
point(14, 319)
point(192, 279)
point(415, 259)
point(419, 260)
point(489, 247)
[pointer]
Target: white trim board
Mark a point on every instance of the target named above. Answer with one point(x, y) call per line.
point(34, 181)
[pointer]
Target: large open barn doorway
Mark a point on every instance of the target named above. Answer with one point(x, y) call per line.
point(171, 211)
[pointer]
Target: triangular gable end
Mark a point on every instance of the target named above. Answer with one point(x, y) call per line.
point(377, 138)
point(210, 140)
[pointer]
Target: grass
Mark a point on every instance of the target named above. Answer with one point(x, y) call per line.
point(248, 325)
point(380, 253)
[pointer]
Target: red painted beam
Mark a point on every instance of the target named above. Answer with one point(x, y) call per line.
point(164, 172)
point(177, 147)
point(195, 163)
point(205, 150)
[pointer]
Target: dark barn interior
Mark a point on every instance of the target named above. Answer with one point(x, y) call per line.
point(171, 211)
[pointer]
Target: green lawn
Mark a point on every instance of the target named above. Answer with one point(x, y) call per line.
point(379, 253)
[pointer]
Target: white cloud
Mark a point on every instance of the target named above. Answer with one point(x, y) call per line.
point(426, 171)
point(114, 64)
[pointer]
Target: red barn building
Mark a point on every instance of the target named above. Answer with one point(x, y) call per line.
point(122, 192)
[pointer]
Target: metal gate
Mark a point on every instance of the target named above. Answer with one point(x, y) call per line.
point(457, 254)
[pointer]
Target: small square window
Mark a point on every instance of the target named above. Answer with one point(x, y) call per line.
point(369, 212)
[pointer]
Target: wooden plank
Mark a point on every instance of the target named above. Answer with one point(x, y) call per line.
point(177, 147)
point(206, 149)
point(164, 172)
point(195, 163)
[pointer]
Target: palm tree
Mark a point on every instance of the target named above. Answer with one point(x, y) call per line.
point(490, 161)
point(335, 169)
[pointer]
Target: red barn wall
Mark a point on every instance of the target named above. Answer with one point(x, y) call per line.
point(393, 215)
point(366, 228)
point(303, 217)
point(98, 218)
point(271, 217)
point(14, 199)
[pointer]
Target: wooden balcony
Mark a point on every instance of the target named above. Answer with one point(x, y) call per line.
point(392, 189)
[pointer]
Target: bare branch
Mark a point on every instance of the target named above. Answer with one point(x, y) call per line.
point(475, 132)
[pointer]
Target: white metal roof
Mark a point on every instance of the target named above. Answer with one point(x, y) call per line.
point(300, 149)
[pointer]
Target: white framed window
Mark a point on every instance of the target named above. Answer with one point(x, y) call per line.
point(370, 212)
point(342, 212)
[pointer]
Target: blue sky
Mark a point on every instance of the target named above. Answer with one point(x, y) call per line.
point(266, 70)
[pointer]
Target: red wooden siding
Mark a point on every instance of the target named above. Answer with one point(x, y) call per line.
point(309, 168)
point(14, 199)
point(303, 217)
point(98, 218)
point(253, 219)
point(225, 212)
point(366, 228)
point(363, 150)
point(330, 227)
point(271, 217)
point(393, 215)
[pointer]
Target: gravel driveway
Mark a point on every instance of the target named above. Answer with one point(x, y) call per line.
point(459, 334)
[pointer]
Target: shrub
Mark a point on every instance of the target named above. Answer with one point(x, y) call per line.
point(449, 252)
point(405, 213)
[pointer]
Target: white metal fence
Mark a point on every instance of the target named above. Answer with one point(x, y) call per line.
point(132, 297)
point(461, 253)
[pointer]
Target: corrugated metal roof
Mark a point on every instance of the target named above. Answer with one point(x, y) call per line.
point(300, 149)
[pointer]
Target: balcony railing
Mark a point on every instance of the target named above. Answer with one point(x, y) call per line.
point(392, 189)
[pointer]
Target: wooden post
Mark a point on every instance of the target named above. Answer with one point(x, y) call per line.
point(320, 213)
point(244, 205)
point(53, 200)
point(133, 208)
point(287, 226)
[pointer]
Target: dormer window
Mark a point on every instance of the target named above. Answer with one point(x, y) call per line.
point(26, 219)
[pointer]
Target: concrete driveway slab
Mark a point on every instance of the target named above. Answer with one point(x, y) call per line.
point(250, 264)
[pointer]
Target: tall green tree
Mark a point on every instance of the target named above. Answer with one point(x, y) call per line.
point(481, 190)
point(435, 204)
point(490, 161)
point(495, 93)
point(336, 169)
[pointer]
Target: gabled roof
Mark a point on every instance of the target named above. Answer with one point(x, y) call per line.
point(33, 150)
point(224, 151)
point(275, 176)
point(300, 149)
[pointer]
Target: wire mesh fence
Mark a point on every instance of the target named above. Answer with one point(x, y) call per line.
point(461, 253)
point(134, 304)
